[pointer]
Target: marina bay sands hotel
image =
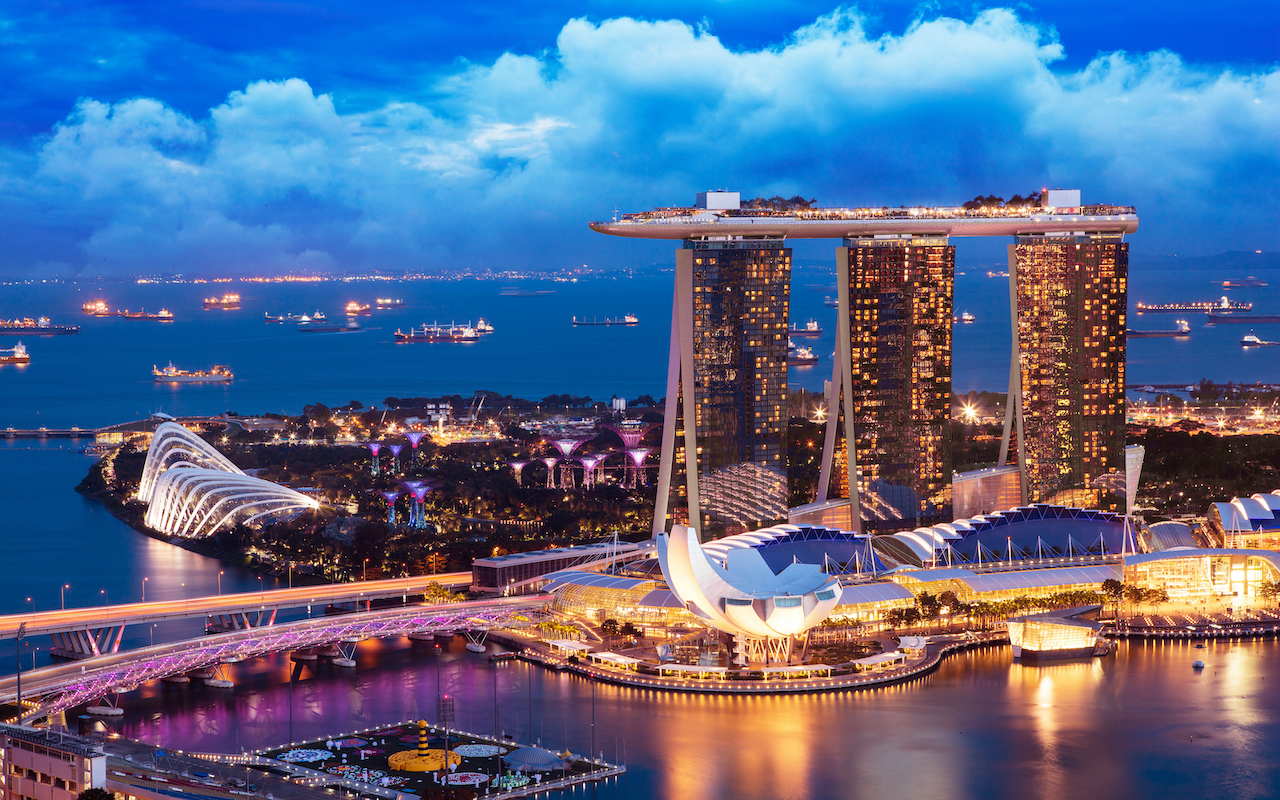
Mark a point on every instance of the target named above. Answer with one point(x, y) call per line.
point(886, 462)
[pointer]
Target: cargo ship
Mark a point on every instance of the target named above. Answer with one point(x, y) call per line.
point(1248, 283)
point(628, 319)
point(438, 333)
point(171, 374)
point(388, 302)
point(1251, 340)
point(811, 328)
point(41, 326)
point(354, 308)
point(1223, 306)
point(96, 308)
point(1183, 328)
point(1216, 317)
point(309, 325)
point(227, 302)
point(15, 355)
point(316, 317)
point(800, 356)
point(516, 291)
point(163, 315)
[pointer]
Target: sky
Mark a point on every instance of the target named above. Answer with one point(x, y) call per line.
point(225, 137)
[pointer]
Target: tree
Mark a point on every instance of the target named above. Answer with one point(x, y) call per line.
point(610, 628)
point(95, 794)
point(1113, 590)
point(630, 629)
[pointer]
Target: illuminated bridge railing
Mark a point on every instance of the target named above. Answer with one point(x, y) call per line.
point(66, 686)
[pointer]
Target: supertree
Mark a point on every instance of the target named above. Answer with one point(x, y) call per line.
point(517, 466)
point(374, 447)
point(550, 461)
point(414, 438)
point(391, 495)
point(395, 457)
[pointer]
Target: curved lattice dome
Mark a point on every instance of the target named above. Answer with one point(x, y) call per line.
point(175, 446)
point(194, 502)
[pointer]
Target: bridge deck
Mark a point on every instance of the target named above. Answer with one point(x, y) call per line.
point(229, 604)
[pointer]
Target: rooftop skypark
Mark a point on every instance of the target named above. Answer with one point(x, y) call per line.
point(723, 214)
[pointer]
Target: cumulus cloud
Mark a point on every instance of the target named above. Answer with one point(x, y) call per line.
point(641, 113)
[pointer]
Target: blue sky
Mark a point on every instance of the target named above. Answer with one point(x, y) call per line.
point(245, 136)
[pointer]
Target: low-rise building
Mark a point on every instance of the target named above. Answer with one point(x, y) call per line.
point(45, 765)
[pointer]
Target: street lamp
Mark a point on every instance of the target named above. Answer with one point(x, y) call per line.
point(106, 598)
point(366, 569)
point(144, 590)
point(220, 582)
point(62, 592)
point(33, 605)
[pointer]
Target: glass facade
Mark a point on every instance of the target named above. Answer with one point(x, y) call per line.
point(1071, 300)
point(900, 319)
point(741, 296)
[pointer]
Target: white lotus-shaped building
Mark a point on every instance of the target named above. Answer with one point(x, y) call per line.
point(735, 590)
point(192, 490)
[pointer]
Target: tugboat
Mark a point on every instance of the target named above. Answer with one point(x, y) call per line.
point(354, 308)
point(483, 327)
point(15, 355)
point(36, 327)
point(1251, 340)
point(811, 328)
point(227, 302)
point(438, 333)
point(967, 318)
point(171, 374)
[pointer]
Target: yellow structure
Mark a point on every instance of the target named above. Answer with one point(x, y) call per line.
point(423, 759)
point(1203, 574)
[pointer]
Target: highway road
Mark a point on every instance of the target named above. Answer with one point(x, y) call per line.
point(95, 617)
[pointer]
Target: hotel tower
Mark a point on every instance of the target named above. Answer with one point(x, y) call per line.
point(887, 448)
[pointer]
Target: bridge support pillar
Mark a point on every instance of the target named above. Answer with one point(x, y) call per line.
point(78, 644)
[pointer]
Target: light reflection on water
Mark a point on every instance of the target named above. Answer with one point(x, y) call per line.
point(1140, 723)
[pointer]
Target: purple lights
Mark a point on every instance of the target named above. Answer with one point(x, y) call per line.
point(391, 496)
point(395, 456)
point(414, 438)
point(518, 466)
point(374, 447)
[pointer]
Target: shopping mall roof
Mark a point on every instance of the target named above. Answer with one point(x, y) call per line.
point(860, 593)
point(1169, 555)
point(1014, 580)
point(1254, 513)
point(586, 552)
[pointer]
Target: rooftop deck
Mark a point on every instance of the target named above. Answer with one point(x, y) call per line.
point(854, 223)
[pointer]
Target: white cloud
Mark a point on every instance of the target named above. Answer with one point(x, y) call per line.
point(643, 113)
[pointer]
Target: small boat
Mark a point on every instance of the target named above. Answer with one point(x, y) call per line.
point(15, 355)
point(227, 302)
point(171, 374)
point(628, 319)
point(484, 327)
point(354, 308)
point(1251, 340)
point(967, 318)
point(309, 325)
point(1182, 329)
point(1197, 665)
point(811, 328)
point(96, 308)
point(388, 302)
